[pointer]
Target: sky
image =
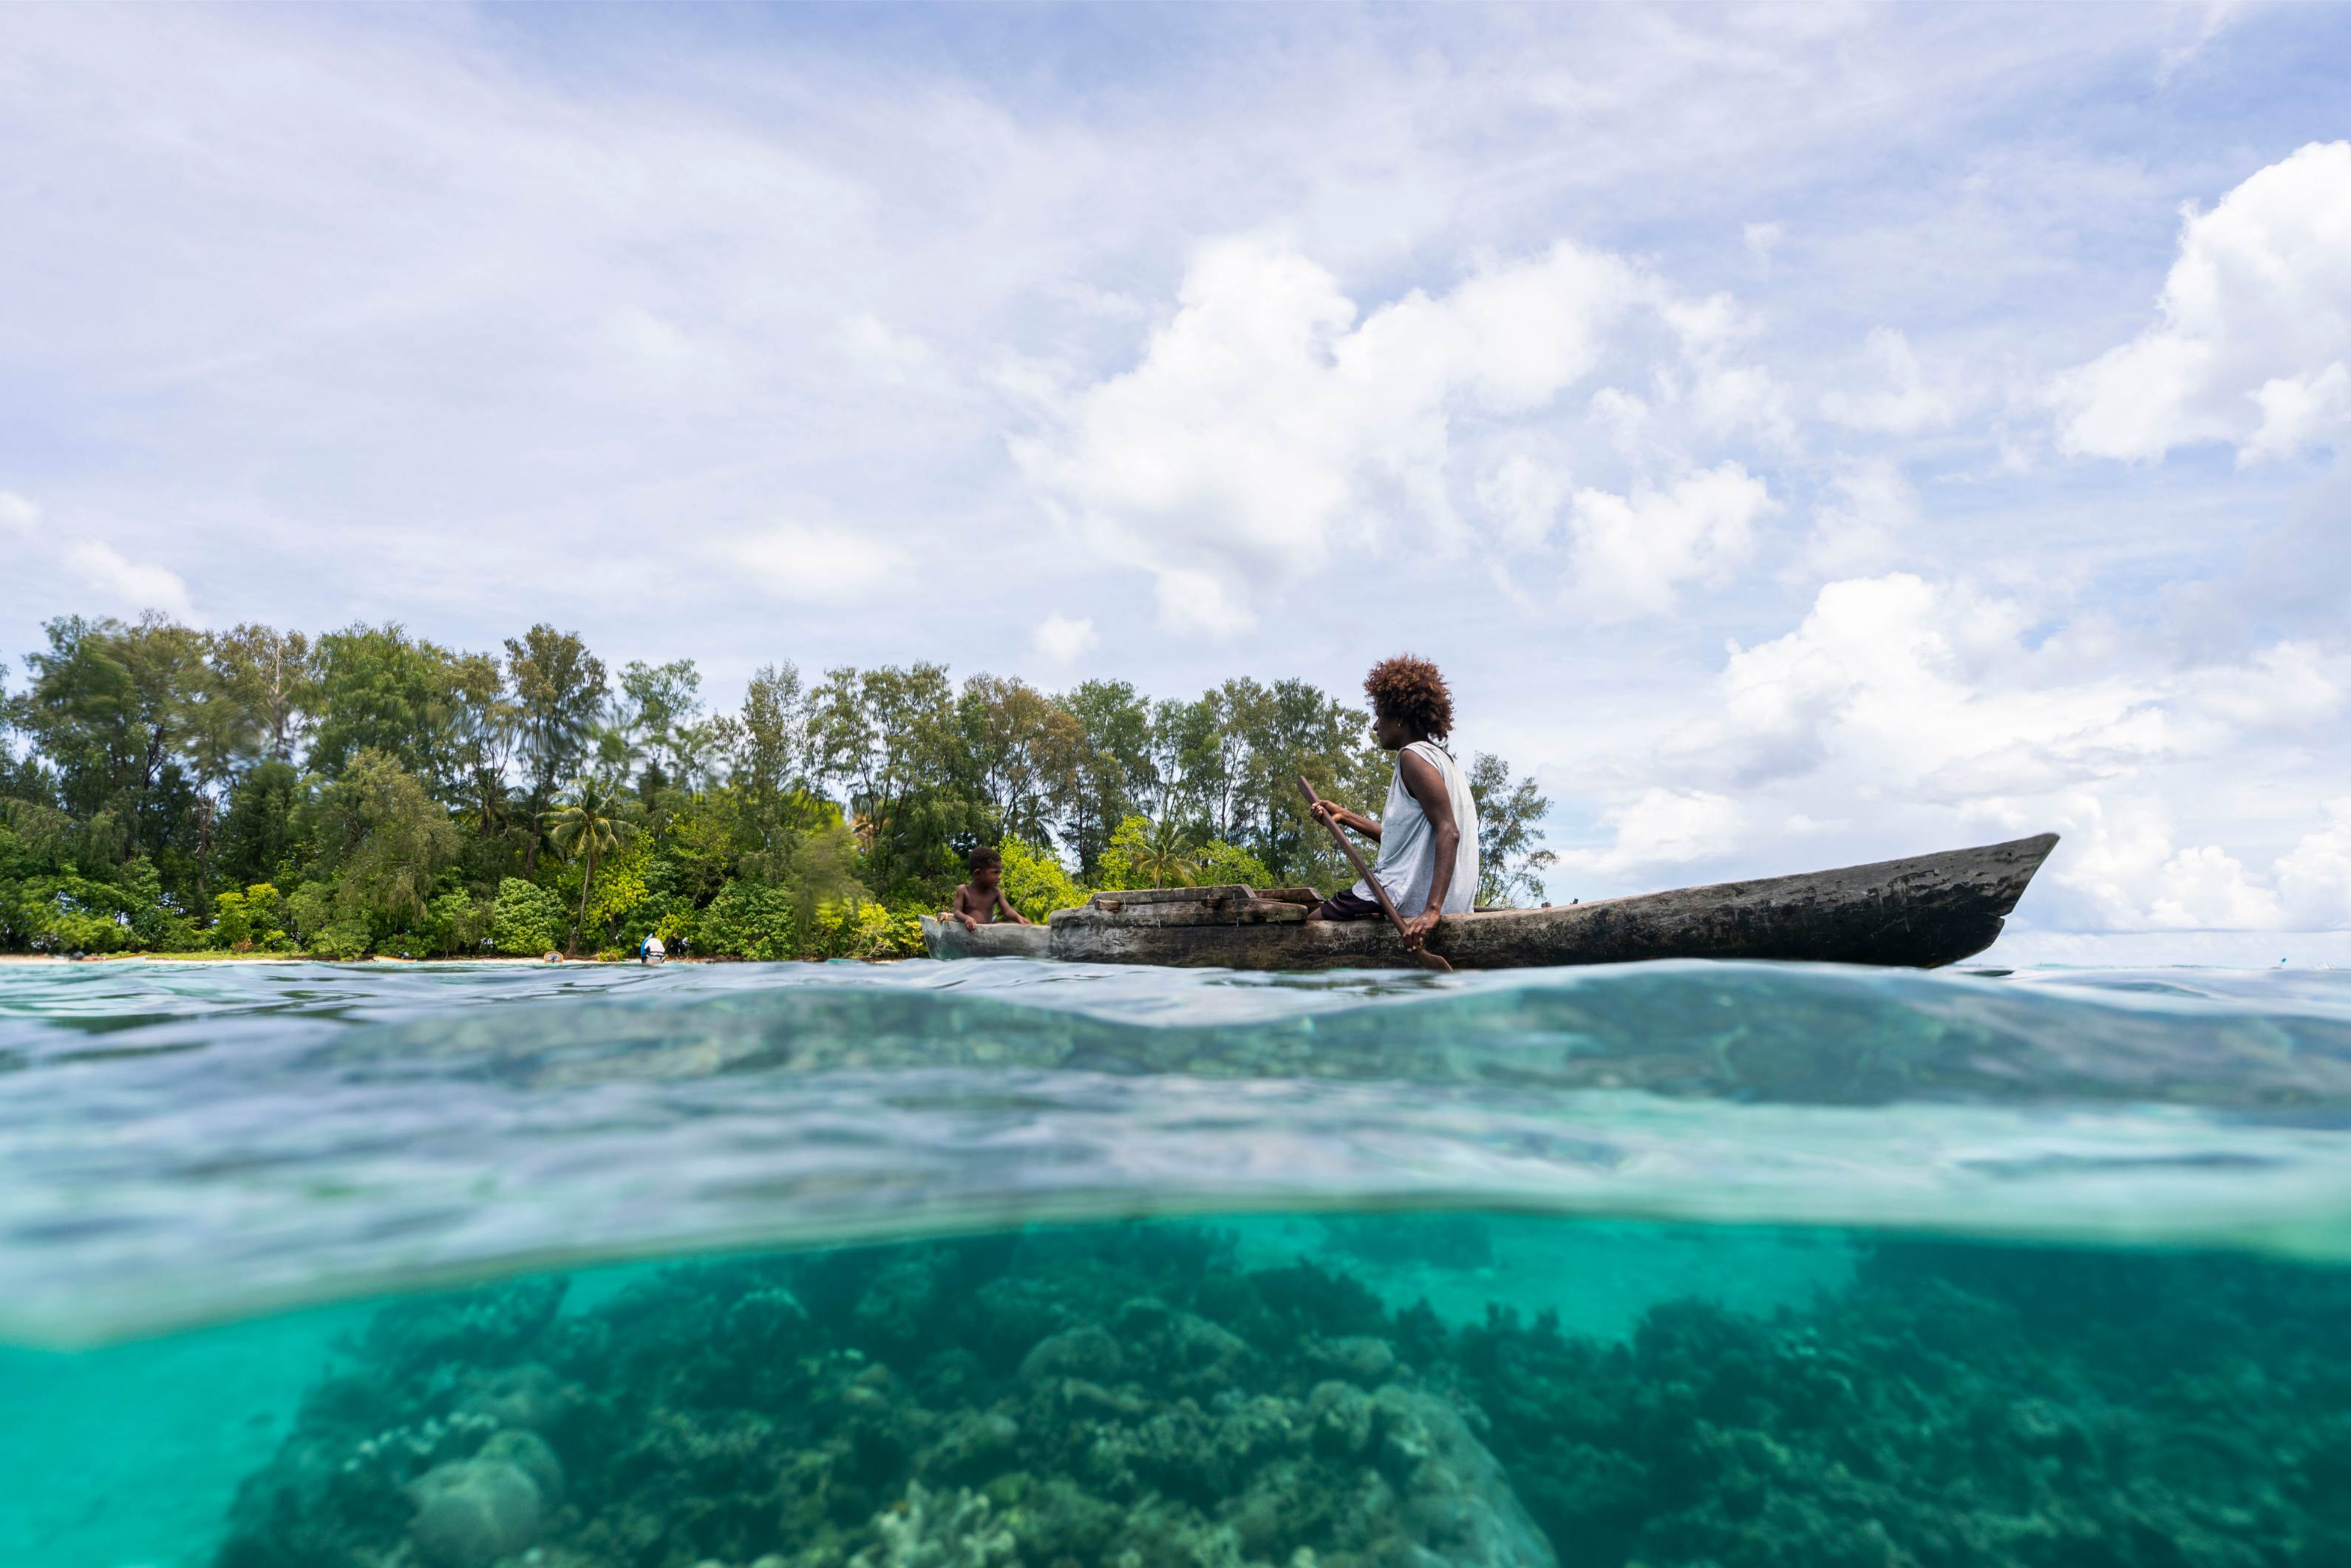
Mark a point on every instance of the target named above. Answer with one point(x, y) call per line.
point(1803, 435)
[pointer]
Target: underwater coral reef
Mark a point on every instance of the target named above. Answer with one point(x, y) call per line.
point(1135, 1396)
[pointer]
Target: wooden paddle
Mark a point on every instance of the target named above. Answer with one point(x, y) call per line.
point(1387, 905)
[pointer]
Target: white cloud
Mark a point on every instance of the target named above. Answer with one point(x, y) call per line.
point(2298, 411)
point(1922, 714)
point(1721, 394)
point(1058, 640)
point(127, 585)
point(1630, 553)
point(2123, 869)
point(2315, 876)
point(1525, 497)
point(2207, 888)
point(1264, 416)
point(2192, 27)
point(117, 584)
point(1873, 511)
point(1763, 239)
point(2254, 329)
point(1925, 688)
point(815, 566)
point(1661, 827)
point(889, 356)
point(1905, 404)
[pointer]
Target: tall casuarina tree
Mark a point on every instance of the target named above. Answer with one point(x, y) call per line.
point(559, 695)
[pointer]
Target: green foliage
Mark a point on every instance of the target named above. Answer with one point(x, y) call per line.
point(753, 920)
point(864, 930)
point(252, 921)
point(656, 719)
point(1034, 882)
point(454, 923)
point(526, 920)
point(257, 837)
point(588, 827)
point(377, 844)
point(326, 929)
point(771, 754)
point(1114, 774)
point(69, 914)
point(379, 690)
point(396, 796)
point(1221, 863)
point(1144, 853)
point(620, 891)
point(767, 920)
point(1510, 861)
point(559, 695)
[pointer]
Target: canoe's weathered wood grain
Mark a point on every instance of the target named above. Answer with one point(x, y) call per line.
point(948, 939)
point(1133, 897)
point(1922, 912)
point(1189, 917)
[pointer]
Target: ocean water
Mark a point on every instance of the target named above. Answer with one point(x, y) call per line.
point(1683, 1265)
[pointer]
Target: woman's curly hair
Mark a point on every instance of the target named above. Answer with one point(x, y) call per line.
point(1408, 687)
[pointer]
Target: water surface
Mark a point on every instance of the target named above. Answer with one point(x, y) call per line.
point(1006, 1262)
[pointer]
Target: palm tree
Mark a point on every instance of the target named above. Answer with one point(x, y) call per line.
point(1165, 855)
point(587, 826)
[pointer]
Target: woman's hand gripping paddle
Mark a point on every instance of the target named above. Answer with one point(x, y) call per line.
point(1387, 905)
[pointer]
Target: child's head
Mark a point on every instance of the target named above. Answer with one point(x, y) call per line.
point(987, 869)
point(1409, 702)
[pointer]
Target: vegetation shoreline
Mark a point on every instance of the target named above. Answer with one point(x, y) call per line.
point(367, 792)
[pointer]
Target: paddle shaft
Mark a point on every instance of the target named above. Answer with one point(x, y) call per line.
point(1387, 904)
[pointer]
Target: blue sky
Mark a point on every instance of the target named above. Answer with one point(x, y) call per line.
point(1803, 433)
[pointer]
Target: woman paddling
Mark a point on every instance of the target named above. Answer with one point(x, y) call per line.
point(1428, 833)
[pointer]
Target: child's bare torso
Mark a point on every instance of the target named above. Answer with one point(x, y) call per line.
point(982, 906)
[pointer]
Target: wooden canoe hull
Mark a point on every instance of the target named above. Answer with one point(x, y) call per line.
point(948, 939)
point(1922, 912)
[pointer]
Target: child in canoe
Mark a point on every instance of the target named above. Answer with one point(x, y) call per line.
point(982, 898)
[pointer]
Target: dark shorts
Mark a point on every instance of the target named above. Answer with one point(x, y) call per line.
point(1347, 905)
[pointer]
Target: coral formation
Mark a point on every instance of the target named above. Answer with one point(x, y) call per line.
point(1135, 1397)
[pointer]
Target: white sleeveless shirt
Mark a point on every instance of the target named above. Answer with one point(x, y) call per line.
point(1407, 863)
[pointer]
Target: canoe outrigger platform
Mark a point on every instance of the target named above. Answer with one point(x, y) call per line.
point(1923, 912)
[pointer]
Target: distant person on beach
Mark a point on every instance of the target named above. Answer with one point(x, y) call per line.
point(1428, 832)
point(982, 898)
point(651, 951)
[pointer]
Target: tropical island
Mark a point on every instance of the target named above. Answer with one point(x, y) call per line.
point(171, 789)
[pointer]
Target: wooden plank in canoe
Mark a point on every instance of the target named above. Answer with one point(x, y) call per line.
point(1222, 912)
point(1130, 897)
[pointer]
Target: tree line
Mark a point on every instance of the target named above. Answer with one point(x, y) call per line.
point(365, 791)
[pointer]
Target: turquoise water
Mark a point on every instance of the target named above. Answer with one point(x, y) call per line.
point(1698, 1265)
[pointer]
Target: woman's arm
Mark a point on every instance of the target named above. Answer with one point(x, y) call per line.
point(1426, 785)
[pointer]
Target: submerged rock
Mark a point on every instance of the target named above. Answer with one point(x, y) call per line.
point(472, 1513)
point(528, 1452)
point(1087, 1353)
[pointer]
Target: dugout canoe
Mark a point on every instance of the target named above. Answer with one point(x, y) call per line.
point(1919, 913)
